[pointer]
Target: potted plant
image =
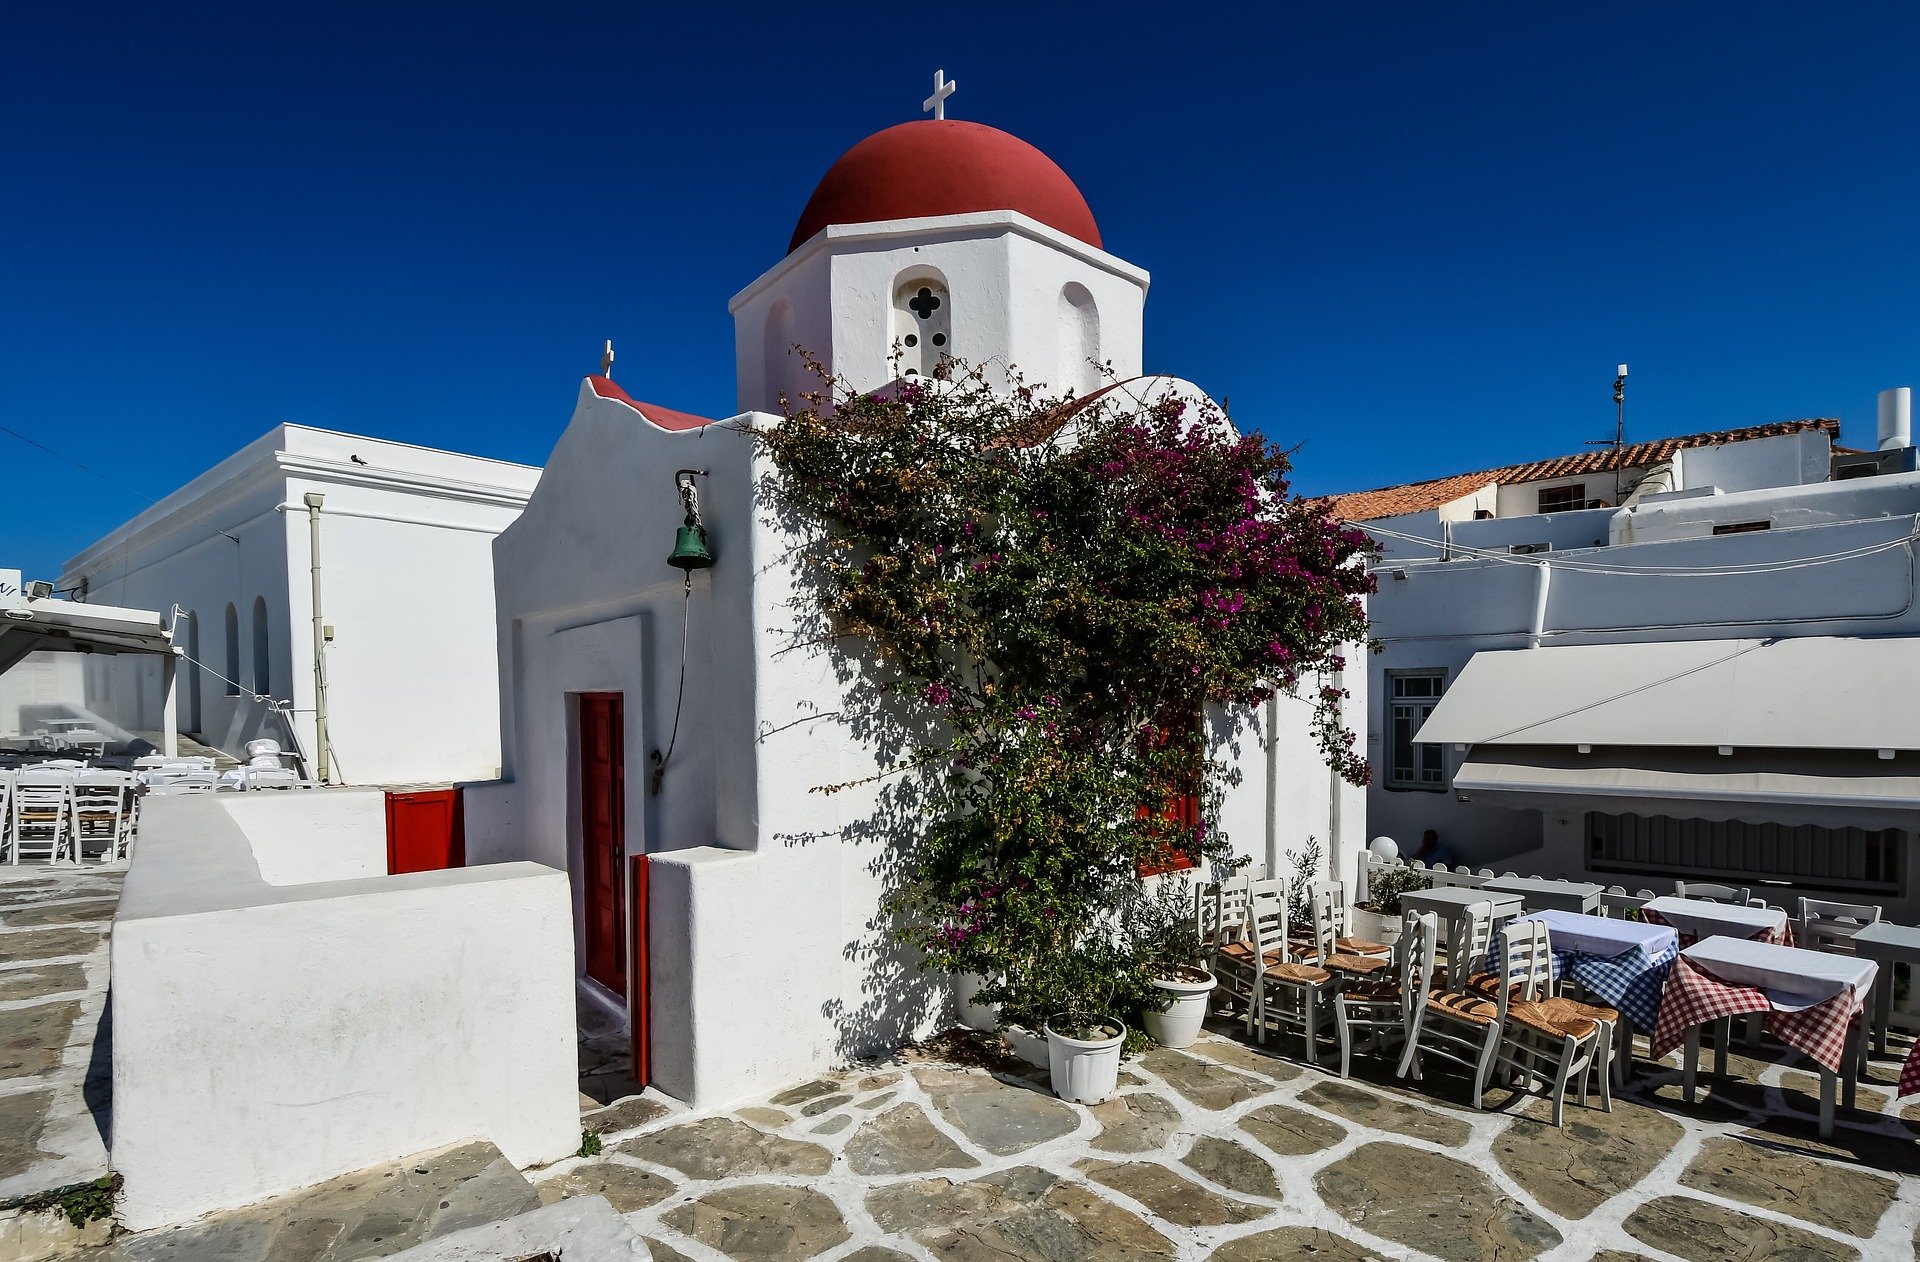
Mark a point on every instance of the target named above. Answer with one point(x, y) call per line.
point(1379, 917)
point(1164, 935)
point(1084, 1042)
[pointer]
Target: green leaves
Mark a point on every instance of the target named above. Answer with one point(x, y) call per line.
point(1054, 592)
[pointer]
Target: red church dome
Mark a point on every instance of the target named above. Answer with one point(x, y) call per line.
point(944, 167)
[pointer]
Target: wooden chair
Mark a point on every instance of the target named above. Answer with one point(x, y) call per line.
point(1386, 1005)
point(40, 816)
point(1537, 1025)
point(1712, 893)
point(99, 813)
point(1452, 1020)
point(1223, 933)
point(1287, 992)
point(1830, 927)
point(1328, 947)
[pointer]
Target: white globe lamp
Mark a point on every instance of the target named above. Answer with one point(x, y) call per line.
point(1385, 848)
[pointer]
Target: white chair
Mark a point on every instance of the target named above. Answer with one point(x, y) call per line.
point(1287, 993)
point(1224, 933)
point(172, 781)
point(1537, 1025)
point(1712, 893)
point(1386, 1005)
point(1830, 927)
point(40, 816)
point(99, 808)
point(1331, 949)
point(1453, 1021)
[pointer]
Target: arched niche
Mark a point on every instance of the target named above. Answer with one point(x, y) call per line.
point(782, 370)
point(922, 322)
point(1078, 325)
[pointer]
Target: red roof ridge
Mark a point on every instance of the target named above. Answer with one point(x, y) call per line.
point(1415, 497)
point(665, 418)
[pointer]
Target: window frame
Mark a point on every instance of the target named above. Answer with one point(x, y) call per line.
point(1392, 780)
point(1577, 501)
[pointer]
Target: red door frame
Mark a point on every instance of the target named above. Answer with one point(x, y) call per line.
point(638, 1034)
point(603, 829)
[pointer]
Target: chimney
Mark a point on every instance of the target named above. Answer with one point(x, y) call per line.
point(1896, 418)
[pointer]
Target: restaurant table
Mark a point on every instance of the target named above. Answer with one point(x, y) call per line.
point(1450, 903)
point(1538, 895)
point(1886, 944)
point(1623, 962)
point(1698, 919)
point(1812, 1002)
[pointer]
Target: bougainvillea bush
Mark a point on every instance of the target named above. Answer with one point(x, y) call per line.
point(1064, 588)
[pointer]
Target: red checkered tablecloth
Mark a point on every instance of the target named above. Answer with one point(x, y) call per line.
point(1783, 936)
point(1695, 997)
point(1910, 1072)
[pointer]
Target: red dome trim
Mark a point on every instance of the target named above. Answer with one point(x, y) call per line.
point(944, 167)
point(665, 418)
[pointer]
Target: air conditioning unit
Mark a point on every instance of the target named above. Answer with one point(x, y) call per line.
point(1528, 549)
point(1871, 464)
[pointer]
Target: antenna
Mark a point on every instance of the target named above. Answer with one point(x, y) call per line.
point(1619, 433)
point(1619, 440)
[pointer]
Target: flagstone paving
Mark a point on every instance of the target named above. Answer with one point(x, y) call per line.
point(1225, 1152)
point(55, 1061)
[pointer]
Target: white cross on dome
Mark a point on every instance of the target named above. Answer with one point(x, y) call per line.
point(941, 91)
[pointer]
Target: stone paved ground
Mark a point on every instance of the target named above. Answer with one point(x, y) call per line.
point(55, 1061)
point(1227, 1152)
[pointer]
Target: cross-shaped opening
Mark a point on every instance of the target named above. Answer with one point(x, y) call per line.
point(924, 303)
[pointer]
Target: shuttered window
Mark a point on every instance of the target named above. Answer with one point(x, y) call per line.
point(1805, 854)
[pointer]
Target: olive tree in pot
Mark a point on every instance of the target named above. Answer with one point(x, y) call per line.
point(1164, 935)
point(1379, 917)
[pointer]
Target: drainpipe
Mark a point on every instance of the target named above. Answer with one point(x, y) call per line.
point(1273, 786)
point(314, 500)
point(1543, 578)
point(1336, 859)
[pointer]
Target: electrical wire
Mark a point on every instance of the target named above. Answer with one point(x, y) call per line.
point(660, 759)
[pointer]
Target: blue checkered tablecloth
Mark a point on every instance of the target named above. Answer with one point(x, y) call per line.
point(1631, 981)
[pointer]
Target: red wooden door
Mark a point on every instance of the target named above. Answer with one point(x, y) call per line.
point(425, 832)
point(603, 836)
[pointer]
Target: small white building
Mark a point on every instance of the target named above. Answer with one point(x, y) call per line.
point(1698, 662)
point(406, 582)
point(734, 913)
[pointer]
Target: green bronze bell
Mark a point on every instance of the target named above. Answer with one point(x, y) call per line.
point(690, 550)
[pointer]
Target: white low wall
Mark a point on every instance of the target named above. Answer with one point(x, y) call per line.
point(340, 835)
point(267, 1037)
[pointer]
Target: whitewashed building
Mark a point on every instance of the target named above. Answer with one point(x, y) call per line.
point(406, 582)
point(1698, 659)
point(734, 912)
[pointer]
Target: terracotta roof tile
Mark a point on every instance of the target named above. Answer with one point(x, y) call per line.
point(1415, 497)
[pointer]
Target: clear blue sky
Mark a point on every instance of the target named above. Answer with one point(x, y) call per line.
point(1413, 239)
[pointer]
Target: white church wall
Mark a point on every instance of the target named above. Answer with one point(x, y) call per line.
point(354, 1021)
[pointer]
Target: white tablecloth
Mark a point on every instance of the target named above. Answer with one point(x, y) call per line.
point(1702, 919)
point(1791, 977)
point(1599, 935)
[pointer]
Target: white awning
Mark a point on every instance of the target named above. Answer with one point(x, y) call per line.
point(65, 626)
point(1838, 788)
point(1811, 693)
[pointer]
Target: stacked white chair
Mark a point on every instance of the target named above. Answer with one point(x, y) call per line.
point(100, 815)
point(40, 817)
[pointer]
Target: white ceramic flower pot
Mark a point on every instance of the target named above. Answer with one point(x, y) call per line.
point(975, 1016)
point(1373, 926)
point(1179, 1024)
point(1086, 1071)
